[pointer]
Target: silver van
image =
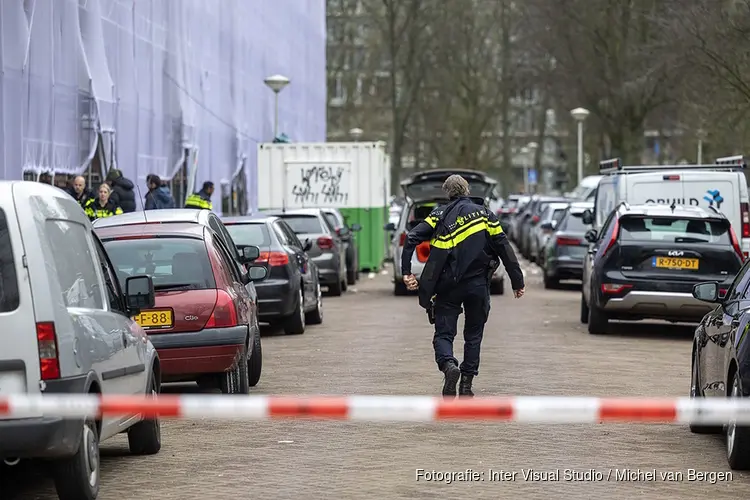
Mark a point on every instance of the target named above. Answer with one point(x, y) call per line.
point(65, 327)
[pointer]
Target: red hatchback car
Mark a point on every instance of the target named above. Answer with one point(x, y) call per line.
point(204, 324)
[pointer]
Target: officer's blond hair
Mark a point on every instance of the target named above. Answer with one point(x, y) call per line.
point(455, 185)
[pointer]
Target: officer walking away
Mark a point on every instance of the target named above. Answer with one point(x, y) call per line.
point(80, 191)
point(466, 241)
point(201, 199)
point(122, 190)
point(158, 196)
point(104, 205)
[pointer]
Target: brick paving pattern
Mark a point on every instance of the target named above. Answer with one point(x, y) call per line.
point(375, 343)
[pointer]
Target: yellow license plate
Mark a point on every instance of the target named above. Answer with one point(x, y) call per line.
point(158, 318)
point(676, 263)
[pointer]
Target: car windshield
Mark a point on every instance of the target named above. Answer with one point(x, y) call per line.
point(575, 224)
point(254, 233)
point(304, 224)
point(173, 263)
point(675, 230)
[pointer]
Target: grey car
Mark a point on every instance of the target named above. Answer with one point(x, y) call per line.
point(327, 249)
point(346, 233)
point(541, 233)
point(564, 254)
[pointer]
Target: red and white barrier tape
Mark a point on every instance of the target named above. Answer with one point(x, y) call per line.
point(551, 410)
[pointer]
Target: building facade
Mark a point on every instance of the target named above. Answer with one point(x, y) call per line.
point(169, 87)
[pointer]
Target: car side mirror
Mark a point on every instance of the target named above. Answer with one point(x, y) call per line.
point(257, 273)
point(390, 226)
point(248, 253)
point(590, 235)
point(139, 294)
point(547, 226)
point(707, 292)
point(343, 231)
point(307, 245)
point(356, 227)
point(587, 217)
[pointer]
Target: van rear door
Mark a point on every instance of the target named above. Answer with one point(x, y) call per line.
point(653, 187)
point(19, 352)
point(720, 189)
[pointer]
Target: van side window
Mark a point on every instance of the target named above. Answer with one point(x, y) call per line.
point(9, 300)
point(114, 295)
point(74, 264)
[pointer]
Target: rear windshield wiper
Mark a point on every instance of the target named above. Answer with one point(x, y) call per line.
point(176, 286)
point(689, 239)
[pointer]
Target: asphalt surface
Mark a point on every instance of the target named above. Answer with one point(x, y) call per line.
point(372, 342)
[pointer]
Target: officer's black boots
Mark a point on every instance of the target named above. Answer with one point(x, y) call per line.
point(452, 374)
point(464, 388)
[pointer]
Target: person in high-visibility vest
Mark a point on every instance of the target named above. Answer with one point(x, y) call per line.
point(202, 199)
point(103, 205)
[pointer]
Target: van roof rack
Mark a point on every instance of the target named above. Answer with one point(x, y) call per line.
point(728, 163)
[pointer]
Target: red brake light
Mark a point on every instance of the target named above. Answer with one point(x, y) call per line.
point(402, 239)
point(325, 242)
point(224, 314)
point(614, 288)
point(273, 258)
point(613, 239)
point(535, 219)
point(563, 241)
point(736, 244)
point(745, 211)
point(423, 251)
point(47, 341)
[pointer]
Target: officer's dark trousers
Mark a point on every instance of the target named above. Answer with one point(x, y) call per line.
point(474, 296)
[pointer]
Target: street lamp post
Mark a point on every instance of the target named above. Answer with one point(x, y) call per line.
point(580, 115)
point(701, 138)
point(356, 133)
point(532, 147)
point(277, 84)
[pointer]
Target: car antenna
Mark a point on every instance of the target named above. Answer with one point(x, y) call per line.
point(140, 195)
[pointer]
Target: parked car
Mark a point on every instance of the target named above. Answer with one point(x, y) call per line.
point(424, 192)
point(346, 233)
point(564, 253)
point(646, 259)
point(291, 295)
point(326, 247)
point(66, 328)
point(540, 234)
point(204, 323)
point(586, 190)
point(516, 216)
point(721, 356)
point(529, 219)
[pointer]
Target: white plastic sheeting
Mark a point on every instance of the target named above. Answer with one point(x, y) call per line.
point(156, 77)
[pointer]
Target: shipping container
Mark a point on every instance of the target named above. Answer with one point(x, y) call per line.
point(354, 177)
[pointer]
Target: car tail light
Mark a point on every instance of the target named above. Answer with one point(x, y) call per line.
point(535, 219)
point(46, 339)
point(402, 239)
point(745, 211)
point(423, 251)
point(563, 241)
point(614, 288)
point(273, 258)
point(736, 244)
point(224, 313)
point(325, 242)
point(613, 239)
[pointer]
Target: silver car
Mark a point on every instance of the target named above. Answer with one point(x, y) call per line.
point(66, 328)
point(540, 233)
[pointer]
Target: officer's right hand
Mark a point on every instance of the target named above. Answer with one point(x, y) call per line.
point(519, 293)
point(411, 282)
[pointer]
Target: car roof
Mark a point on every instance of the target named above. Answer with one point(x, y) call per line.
point(294, 211)
point(163, 215)
point(581, 206)
point(558, 204)
point(653, 210)
point(248, 219)
point(155, 229)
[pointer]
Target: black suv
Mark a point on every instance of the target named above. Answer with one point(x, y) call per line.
point(645, 260)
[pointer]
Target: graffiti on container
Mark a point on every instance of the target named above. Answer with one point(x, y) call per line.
point(321, 185)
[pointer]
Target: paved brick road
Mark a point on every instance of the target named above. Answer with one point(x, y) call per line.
point(375, 343)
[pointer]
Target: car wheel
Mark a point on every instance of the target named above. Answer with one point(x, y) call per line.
point(255, 363)
point(77, 477)
point(550, 283)
point(497, 287)
point(144, 438)
point(737, 436)
point(235, 381)
point(598, 321)
point(335, 289)
point(315, 317)
point(295, 324)
point(344, 286)
point(697, 393)
point(351, 275)
point(584, 310)
point(399, 288)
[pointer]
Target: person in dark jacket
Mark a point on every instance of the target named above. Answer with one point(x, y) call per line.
point(80, 192)
point(158, 195)
point(103, 205)
point(466, 240)
point(122, 190)
point(201, 199)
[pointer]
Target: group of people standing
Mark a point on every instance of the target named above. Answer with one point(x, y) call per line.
point(116, 196)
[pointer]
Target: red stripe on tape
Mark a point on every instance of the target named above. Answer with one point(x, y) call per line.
point(494, 409)
point(629, 410)
point(328, 407)
point(163, 406)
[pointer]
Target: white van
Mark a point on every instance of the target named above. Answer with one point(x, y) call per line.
point(722, 185)
point(66, 328)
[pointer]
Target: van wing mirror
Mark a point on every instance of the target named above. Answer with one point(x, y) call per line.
point(587, 217)
point(590, 235)
point(248, 253)
point(307, 244)
point(139, 293)
point(390, 226)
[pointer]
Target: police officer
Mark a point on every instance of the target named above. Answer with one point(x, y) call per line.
point(201, 199)
point(104, 205)
point(465, 241)
point(80, 192)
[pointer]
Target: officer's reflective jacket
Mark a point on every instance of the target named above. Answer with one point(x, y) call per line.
point(94, 210)
point(464, 237)
point(200, 200)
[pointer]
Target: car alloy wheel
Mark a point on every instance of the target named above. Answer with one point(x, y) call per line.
point(319, 300)
point(301, 306)
point(732, 425)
